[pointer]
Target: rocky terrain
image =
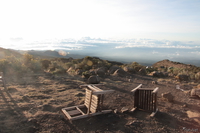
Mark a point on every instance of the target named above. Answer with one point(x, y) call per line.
point(32, 104)
point(37, 89)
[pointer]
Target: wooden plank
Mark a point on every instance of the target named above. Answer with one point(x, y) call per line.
point(80, 110)
point(155, 104)
point(96, 88)
point(133, 109)
point(141, 99)
point(83, 86)
point(149, 100)
point(74, 112)
point(146, 100)
point(155, 90)
point(93, 104)
point(66, 114)
point(92, 87)
point(153, 101)
point(154, 113)
point(73, 107)
point(146, 88)
point(89, 115)
point(136, 99)
point(89, 102)
point(103, 92)
point(139, 86)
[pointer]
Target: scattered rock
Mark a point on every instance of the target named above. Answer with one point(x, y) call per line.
point(129, 70)
point(184, 105)
point(134, 123)
point(115, 111)
point(93, 79)
point(194, 115)
point(168, 96)
point(101, 72)
point(154, 82)
point(113, 69)
point(182, 77)
point(142, 71)
point(124, 109)
point(120, 72)
point(193, 92)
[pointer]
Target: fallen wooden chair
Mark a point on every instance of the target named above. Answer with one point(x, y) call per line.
point(145, 99)
point(2, 80)
point(92, 106)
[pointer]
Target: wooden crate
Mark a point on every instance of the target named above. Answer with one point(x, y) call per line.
point(145, 99)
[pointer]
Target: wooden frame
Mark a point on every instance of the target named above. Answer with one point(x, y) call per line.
point(145, 99)
point(92, 106)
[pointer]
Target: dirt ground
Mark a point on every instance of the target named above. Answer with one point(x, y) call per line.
point(32, 104)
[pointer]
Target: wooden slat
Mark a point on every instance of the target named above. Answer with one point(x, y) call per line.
point(139, 86)
point(154, 113)
point(66, 114)
point(103, 92)
point(93, 104)
point(74, 112)
point(146, 100)
point(92, 87)
point(73, 107)
point(97, 88)
point(84, 86)
point(155, 90)
point(133, 109)
point(80, 110)
point(146, 88)
point(89, 102)
point(149, 100)
point(93, 114)
point(155, 104)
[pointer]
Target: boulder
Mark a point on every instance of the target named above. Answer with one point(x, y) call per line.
point(158, 74)
point(129, 69)
point(168, 96)
point(119, 72)
point(142, 71)
point(100, 72)
point(93, 79)
point(113, 69)
point(182, 77)
point(92, 72)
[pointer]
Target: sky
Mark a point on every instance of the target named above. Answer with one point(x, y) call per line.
point(24, 22)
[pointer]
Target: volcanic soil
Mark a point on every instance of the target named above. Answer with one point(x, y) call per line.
point(33, 103)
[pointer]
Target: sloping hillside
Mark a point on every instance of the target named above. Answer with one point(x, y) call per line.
point(8, 52)
point(168, 63)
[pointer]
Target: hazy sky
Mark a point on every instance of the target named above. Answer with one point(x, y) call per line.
point(154, 19)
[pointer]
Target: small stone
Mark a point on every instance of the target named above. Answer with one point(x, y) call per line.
point(184, 105)
point(168, 96)
point(115, 111)
point(124, 109)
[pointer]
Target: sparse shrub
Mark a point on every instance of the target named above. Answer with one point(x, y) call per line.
point(45, 63)
point(86, 74)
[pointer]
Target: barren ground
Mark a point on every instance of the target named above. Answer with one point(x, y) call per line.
point(32, 104)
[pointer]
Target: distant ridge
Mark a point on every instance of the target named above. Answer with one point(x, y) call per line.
point(168, 63)
point(8, 52)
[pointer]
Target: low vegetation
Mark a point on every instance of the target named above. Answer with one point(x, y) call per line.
point(19, 65)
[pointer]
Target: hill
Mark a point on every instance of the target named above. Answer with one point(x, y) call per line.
point(8, 52)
